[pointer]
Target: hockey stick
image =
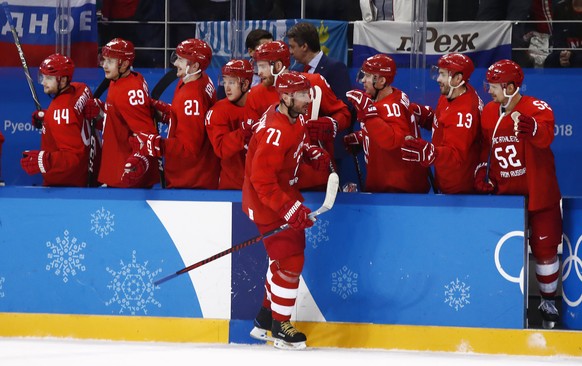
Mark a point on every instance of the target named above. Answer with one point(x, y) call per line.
point(21, 54)
point(94, 138)
point(332, 189)
point(157, 92)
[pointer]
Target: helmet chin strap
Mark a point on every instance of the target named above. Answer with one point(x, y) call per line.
point(452, 88)
point(276, 74)
point(509, 97)
point(187, 75)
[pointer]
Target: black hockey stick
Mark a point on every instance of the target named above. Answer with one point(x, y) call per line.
point(331, 192)
point(94, 138)
point(21, 54)
point(157, 92)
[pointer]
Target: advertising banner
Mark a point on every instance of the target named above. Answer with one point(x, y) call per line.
point(484, 42)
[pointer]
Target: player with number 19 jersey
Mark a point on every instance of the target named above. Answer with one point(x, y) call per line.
point(510, 156)
point(127, 111)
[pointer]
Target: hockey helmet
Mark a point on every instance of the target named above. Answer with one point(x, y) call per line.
point(58, 65)
point(503, 72)
point(119, 49)
point(457, 63)
point(292, 81)
point(195, 50)
point(239, 68)
point(273, 51)
point(381, 65)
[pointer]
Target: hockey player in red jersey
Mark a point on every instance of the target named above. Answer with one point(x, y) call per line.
point(227, 125)
point(190, 161)
point(516, 159)
point(271, 198)
point(63, 158)
point(385, 121)
point(127, 112)
point(273, 59)
point(454, 150)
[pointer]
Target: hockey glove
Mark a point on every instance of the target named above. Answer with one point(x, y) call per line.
point(424, 115)
point(364, 106)
point(354, 142)
point(323, 129)
point(37, 118)
point(296, 215)
point(147, 144)
point(526, 127)
point(35, 161)
point(419, 150)
point(482, 183)
point(135, 167)
point(163, 108)
point(246, 127)
point(93, 109)
point(317, 157)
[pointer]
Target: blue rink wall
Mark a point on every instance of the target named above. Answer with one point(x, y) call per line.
point(560, 88)
point(395, 271)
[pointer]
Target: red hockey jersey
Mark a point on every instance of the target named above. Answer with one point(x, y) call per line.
point(271, 167)
point(383, 137)
point(223, 124)
point(66, 138)
point(456, 137)
point(127, 111)
point(520, 166)
point(190, 161)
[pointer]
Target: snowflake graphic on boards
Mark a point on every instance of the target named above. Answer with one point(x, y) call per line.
point(102, 222)
point(317, 233)
point(133, 287)
point(66, 256)
point(2, 280)
point(344, 282)
point(457, 294)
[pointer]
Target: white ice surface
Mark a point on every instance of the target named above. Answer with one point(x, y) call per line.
point(64, 352)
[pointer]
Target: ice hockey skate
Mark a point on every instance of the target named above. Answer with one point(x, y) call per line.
point(262, 325)
point(285, 336)
point(549, 313)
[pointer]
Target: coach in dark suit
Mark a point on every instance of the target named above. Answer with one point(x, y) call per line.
point(305, 48)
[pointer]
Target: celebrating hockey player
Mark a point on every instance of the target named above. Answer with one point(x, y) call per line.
point(63, 158)
point(516, 159)
point(127, 112)
point(271, 198)
point(228, 127)
point(273, 60)
point(454, 150)
point(190, 161)
point(385, 120)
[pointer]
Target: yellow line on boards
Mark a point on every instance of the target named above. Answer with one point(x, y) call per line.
point(130, 328)
point(532, 342)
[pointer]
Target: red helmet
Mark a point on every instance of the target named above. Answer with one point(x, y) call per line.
point(195, 50)
point(290, 82)
point(119, 49)
point(273, 51)
point(457, 62)
point(503, 72)
point(58, 65)
point(239, 68)
point(382, 65)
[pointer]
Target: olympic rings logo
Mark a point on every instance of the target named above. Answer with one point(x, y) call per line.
point(498, 265)
point(573, 260)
